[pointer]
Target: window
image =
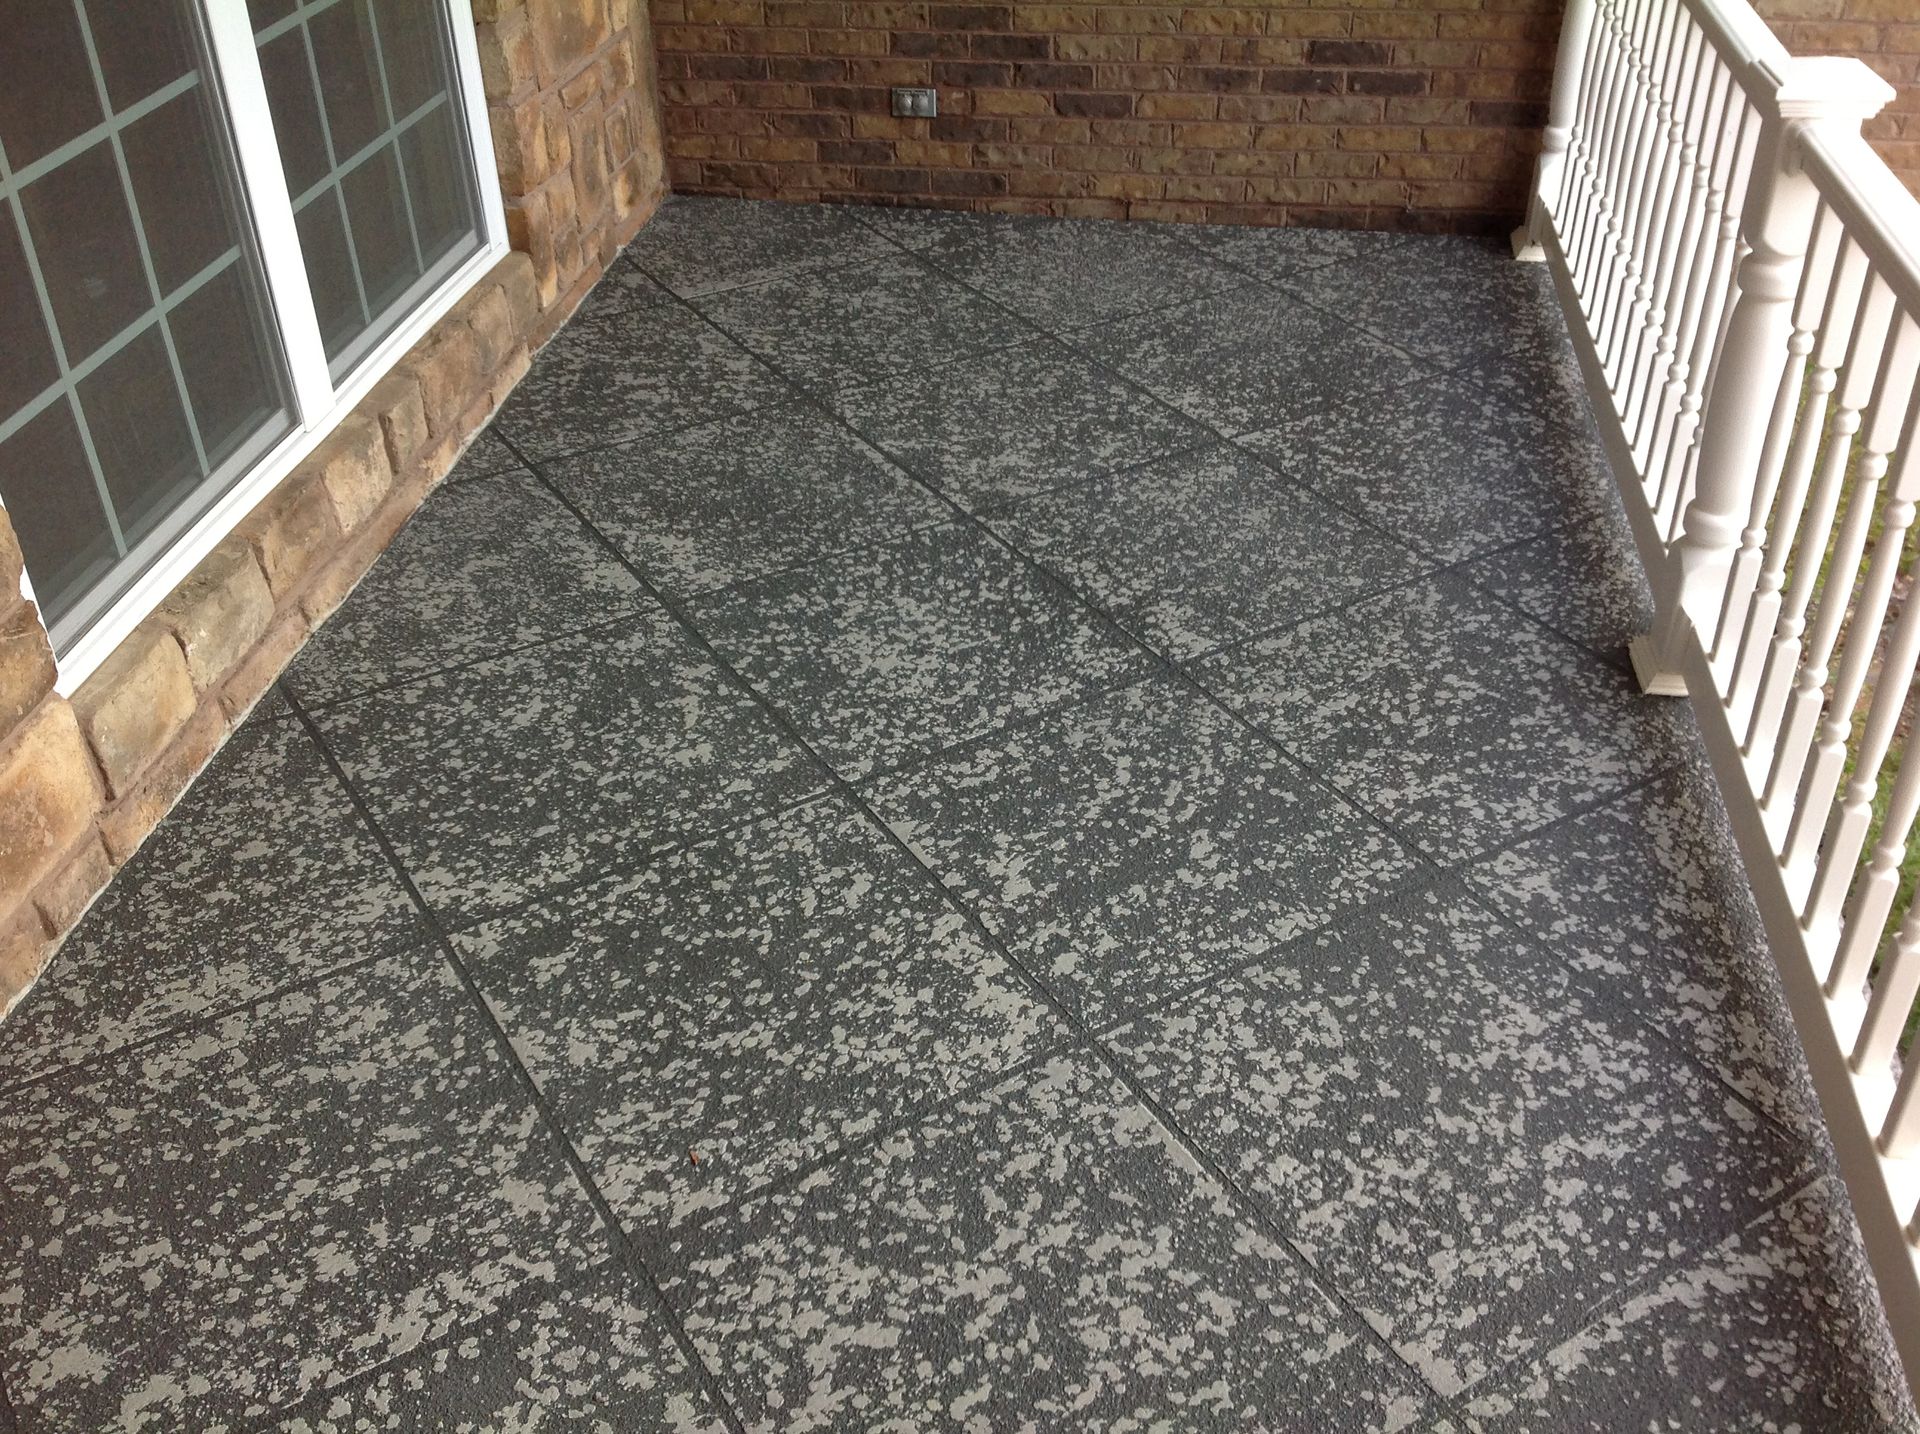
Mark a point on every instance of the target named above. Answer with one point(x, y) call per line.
point(219, 223)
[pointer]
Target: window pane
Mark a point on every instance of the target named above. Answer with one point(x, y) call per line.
point(136, 240)
point(296, 112)
point(44, 105)
point(434, 154)
point(344, 55)
point(223, 356)
point(26, 358)
point(178, 176)
point(51, 502)
point(336, 298)
point(140, 435)
point(83, 235)
point(142, 47)
point(392, 130)
point(382, 238)
point(264, 12)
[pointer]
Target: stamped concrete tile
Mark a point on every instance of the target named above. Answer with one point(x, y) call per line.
point(697, 244)
point(1068, 273)
point(262, 876)
point(743, 497)
point(762, 1001)
point(1454, 301)
point(1449, 1133)
point(647, 369)
point(1444, 467)
point(1449, 716)
point(1013, 423)
point(1204, 548)
point(1043, 1256)
point(1646, 901)
point(483, 568)
point(827, 329)
point(486, 455)
point(1128, 847)
point(1271, 252)
point(1583, 579)
point(624, 286)
point(222, 1223)
point(1778, 1327)
point(914, 226)
point(1241, 361)
point(548, 766)
point(894, 653)
point(594, 1354)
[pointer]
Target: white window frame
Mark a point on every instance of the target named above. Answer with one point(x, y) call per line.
point(318, 400)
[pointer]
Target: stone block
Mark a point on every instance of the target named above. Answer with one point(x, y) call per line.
point(126, 824)
point(65, 894)
point(219, 612)
point(24, 949)
point(567, 33)
point(26, 663)
point(49, 789)
point(447, 365)
point(134, 703)
point(354, 467)
point(397, 404)
point(293, 528)
point(522, 290)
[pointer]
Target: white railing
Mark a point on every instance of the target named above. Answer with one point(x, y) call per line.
point(1741, 274)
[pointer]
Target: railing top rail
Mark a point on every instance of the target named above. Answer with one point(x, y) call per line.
point(1875, 209)
point(1745, 42)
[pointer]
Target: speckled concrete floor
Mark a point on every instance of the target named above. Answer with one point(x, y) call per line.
point(955, 824)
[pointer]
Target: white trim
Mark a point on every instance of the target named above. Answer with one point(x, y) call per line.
point(466, 63)
point(250, 124)
point(319, 403)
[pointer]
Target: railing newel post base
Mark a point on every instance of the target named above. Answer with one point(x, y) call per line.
point(1526, 248)
point(1654, 669)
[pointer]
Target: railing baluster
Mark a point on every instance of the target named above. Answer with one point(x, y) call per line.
point(1592, 138)
point(1684, 296)
point(1630, 219)
point(1844, 298)
point(1654, 345)
point(1619, 83)
point(1631, 319)
point(1867, 612)
point(1753, 592)
point(1874, 893)
point(1841, 569)
point(1900, 1132)
point(1561, 144)
point(1890, 1003)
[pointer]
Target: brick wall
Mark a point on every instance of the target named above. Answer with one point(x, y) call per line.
point(1296, 111)
point(83, 781)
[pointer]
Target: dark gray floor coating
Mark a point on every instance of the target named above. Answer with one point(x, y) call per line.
point(966, 824)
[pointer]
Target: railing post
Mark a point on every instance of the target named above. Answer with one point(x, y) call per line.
point(1777, 224)
point(1569, 67)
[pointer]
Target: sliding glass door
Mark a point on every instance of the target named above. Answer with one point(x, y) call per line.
point(215, 220)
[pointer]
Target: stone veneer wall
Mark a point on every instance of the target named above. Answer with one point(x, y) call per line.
point(83, 781)
point(1383, 113)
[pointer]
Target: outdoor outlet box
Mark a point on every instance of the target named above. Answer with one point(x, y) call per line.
point(913, 102)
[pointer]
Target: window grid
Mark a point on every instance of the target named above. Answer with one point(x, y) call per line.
point(313, 389)
point(338, 169)
point(69, 376)
point(154, 295)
